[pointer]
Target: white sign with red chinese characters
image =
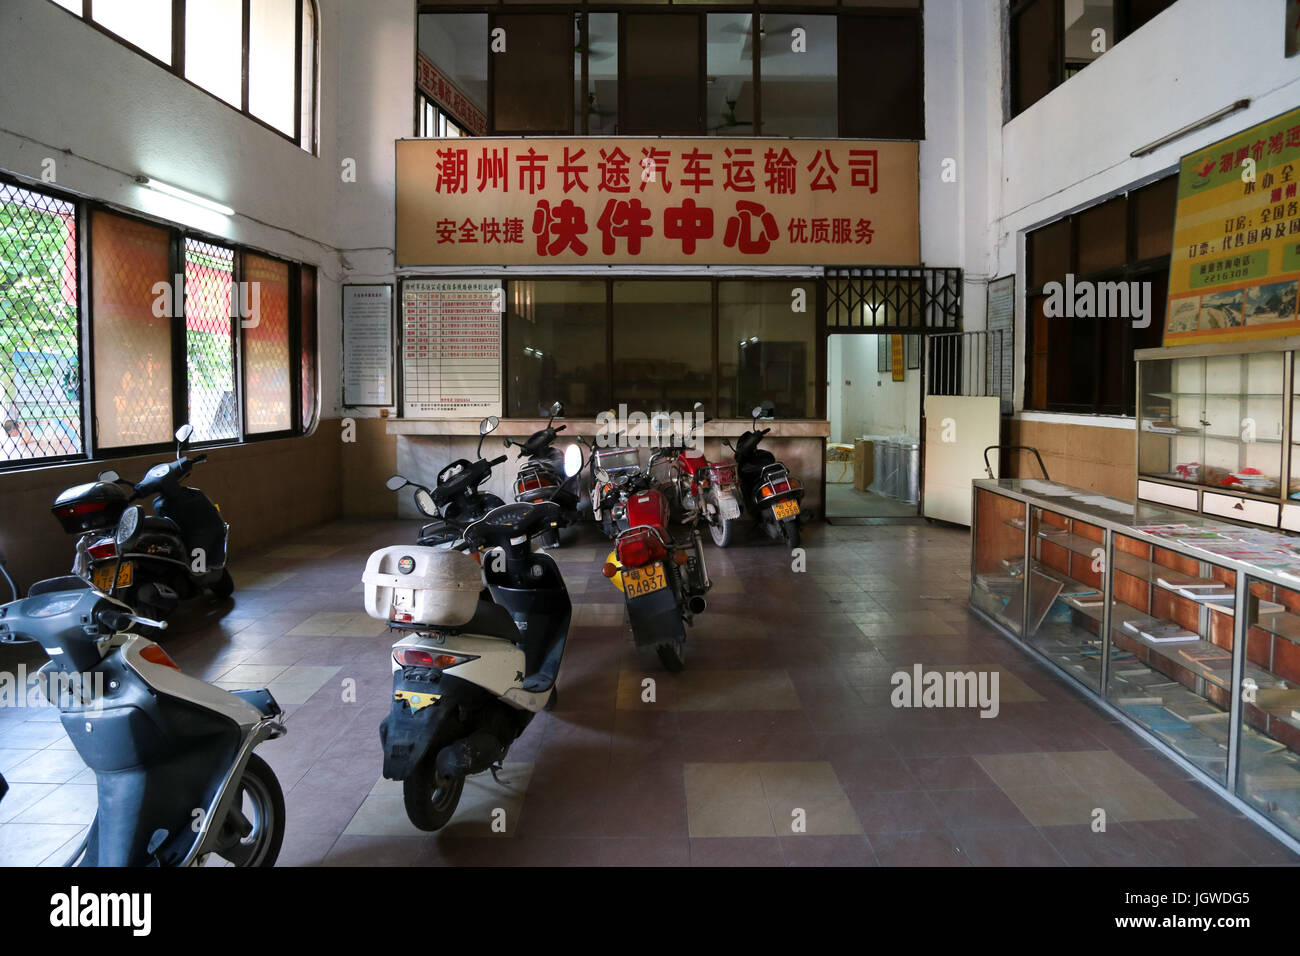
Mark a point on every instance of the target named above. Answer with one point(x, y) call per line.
point(451, 348)
point(656, 202)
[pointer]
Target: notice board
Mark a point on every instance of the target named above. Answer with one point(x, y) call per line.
point(1235, 266)
point(368, 345)
point(451, 348)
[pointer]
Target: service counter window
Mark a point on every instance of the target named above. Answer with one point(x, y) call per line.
point(767, 347)
point(663, 344)
point(556, 347)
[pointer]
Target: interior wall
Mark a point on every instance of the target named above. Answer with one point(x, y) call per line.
point(265, 489)
point(871, 402)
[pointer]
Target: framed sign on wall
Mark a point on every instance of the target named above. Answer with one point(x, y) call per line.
point(368, 353)
point(451, 347)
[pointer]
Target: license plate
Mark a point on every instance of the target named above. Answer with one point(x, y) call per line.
point(728, 508)
point(103, 577)
point(785, 509)
point(638, 582)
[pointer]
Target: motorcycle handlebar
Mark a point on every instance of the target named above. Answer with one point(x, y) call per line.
point(560, 429)
point(118, 620)
point(496, 461)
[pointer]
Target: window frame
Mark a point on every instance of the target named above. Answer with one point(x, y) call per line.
point(580, 9)
point(1132, 270)
point(92, 451)
point(177, 67)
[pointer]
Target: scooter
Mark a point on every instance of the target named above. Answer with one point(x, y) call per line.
point(173, 756)
point(773, 496)
point(663, 580)
point(477, 662)
point(455, 501)
point(700, 485)
point(170, 555)
point(541, 475)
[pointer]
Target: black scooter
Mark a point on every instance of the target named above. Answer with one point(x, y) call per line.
point(168, 556)
point(173, 755)
point(455, 501)
point(772, 495)
point(542, 477)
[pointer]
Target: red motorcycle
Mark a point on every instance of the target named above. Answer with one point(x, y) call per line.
point(663, 580)
point(704, 488)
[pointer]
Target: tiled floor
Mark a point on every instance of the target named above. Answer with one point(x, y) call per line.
point(778, 745)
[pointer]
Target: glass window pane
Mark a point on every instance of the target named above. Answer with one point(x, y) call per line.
point(456, 44)
point(308, 116)
point(766, 351)
point(265, 302)
point(533, 75)
point(144, 23)
point(1048, 252)
point(663, 345)
point(799, 89)
point(1089, 32)
point(880, 78)
point(729, 83)
point(132, 358)
point(40, 348)
point(209, 340)
point(214, 42)
point(272, 46)
point(1033, 52)
point(602, 73)
point(307, 306)
point(1153, 218)
point(663, 81)
point(1103, 232)
point(556, 346)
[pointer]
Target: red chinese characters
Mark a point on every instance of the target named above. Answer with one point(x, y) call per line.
point(559, 228)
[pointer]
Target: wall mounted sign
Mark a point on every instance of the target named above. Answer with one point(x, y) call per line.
point(1236, 260)
point(368, 345)
point(896, 362)
point(434, 84)
point(643, 201)
point(451, 347)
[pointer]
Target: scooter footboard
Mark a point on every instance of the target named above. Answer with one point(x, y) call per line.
point(656, 619)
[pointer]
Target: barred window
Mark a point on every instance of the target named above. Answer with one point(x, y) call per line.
point(40, 341)
point(210, 340)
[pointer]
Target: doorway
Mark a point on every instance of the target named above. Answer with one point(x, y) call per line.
point(873, 405)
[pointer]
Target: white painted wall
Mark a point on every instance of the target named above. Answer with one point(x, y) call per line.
point(864, 401)
point(1072, 147)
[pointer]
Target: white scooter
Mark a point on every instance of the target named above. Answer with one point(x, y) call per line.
point(173, 755)
point(481, 657)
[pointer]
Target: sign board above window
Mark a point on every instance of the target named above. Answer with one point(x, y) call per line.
point(1235, 267)
point(657, 201)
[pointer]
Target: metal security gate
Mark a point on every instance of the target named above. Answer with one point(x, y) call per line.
point(893, 299)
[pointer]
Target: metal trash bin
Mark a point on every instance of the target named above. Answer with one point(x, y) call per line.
point(891, 483)
point(909, 471)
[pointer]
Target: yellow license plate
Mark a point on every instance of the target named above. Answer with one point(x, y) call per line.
point(638, 582)
point(785, 509)
point(103, 577)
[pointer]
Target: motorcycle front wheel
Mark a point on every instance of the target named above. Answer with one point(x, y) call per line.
point(431, 800)
point(261, 802)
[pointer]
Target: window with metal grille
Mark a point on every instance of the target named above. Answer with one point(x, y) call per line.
point(210, 340)
point(307, 345)
point(40, 341)
point(131, 331)
point(264, 308)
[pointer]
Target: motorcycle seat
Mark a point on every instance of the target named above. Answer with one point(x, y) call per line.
point(493, 620)
point(157, 523)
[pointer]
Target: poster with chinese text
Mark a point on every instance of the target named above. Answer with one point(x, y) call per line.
point(451, 348)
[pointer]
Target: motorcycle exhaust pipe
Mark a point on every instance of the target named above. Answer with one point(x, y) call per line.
point(472, 754)
point(696, 604)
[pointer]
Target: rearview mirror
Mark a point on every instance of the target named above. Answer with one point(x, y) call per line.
point(572, 460)
point(396, 483)
point(109, 475)
point(488, 425)
point(184, 433)
point(757, 412)
point(557, 409)
point(424, 501)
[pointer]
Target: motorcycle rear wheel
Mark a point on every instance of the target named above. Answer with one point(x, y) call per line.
point(225, 586)
point(722, 531)
point(791, 531)
point(430, 801)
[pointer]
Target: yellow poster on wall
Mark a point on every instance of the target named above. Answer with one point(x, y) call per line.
point(1235, 266)
point(896, 360)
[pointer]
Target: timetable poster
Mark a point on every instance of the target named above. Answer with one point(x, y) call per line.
point(451, 348)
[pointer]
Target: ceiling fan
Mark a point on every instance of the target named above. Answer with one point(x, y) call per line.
point(729, 120)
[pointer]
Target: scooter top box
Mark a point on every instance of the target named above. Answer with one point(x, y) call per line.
point(95, 506)
point(414, 585)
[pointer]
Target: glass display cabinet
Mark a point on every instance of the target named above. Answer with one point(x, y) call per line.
point(1213, 423)
point(1185, 626)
